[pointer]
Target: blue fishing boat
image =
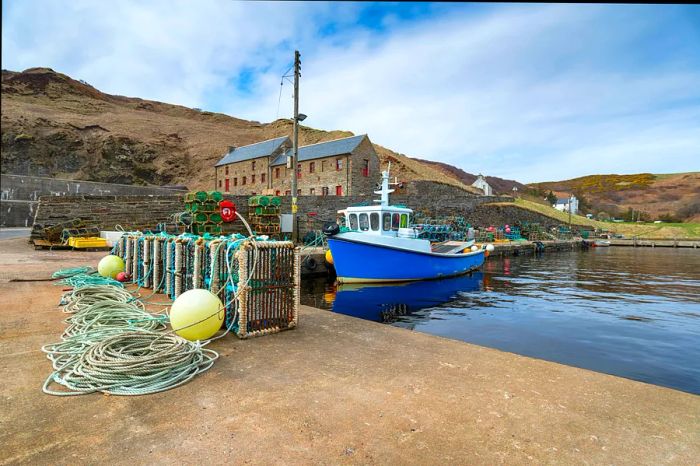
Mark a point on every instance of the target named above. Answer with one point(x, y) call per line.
point(380, 245)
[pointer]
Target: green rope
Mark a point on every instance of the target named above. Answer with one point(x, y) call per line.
point(83, 279)
point(71, 271)
point(133, 363)
point(113, 345)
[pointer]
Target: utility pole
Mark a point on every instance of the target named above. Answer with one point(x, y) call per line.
point(570, 199)
point(295, 147)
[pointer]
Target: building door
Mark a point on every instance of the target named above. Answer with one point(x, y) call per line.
point(226, 190)
point(338, 190)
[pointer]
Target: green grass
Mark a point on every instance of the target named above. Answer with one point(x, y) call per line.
point(629, 230)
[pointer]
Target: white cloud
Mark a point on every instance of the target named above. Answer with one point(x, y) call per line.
point(527, 92)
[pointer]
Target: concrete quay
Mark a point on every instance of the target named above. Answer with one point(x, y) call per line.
point(335, 390)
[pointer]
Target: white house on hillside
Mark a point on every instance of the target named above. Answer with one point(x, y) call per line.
point(563, 204)
point(483, 185)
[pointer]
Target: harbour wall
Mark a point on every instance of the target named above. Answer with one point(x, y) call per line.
point(137, 212)
point(19, 194)
point(145, 211)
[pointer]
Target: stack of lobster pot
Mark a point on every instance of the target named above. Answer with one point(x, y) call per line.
point(256, 279)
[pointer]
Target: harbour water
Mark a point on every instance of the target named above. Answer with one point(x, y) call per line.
point(631, 312)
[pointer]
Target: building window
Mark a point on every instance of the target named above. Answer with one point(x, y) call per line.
point(365, 167)
point(235, 181)
point(299, 170)
point(353, 221)
point(338, 164)
point(219, 183)
point(338, 190)
point(287, 193)
point(312, 167)
point(243, 181)
point(364, 222)
point(262, 178)
point(227, 186)
point(312, 191)
point(254, 193)
point(226, 170)
point(323, 165)
point(299, 192)
point(324, 191)
point(374, 221)
point(253, 167)
point(386, 218)
point(277, 193)
point(252, 178)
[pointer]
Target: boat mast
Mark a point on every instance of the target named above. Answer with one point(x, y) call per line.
point(384, 191)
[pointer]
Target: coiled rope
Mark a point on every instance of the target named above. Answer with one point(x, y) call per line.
point(134, 363)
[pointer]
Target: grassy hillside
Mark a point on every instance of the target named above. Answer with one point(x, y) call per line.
point(675, 195)
point(53, 125)
point(640, 230)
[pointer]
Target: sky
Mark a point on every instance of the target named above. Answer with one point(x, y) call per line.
point(532, 92)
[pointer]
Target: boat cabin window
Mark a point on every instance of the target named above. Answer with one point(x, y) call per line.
point(395, 222)
point(404, 220)
point(353, 221)
point(374, 221)
point(364, 222)
point(386, 219)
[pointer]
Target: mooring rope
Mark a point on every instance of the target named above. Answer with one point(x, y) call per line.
point(133, 363)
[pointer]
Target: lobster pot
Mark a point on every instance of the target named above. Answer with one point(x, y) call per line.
point(268, 300)
point(158, 263)
point(146, 261)
point(129, 251)
point(119, 248)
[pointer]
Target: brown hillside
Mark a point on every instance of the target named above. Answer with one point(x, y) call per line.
point(499, 185)
point(675, 194)
point(53, 125)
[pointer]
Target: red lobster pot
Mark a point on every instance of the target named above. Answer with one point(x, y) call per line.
point(228, 210)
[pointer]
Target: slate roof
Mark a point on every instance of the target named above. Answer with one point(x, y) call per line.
point(252, 151)
point(323, 149)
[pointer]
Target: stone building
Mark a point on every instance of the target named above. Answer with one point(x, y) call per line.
point(342, 167)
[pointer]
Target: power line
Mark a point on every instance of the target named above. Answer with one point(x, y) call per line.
point(279, 99)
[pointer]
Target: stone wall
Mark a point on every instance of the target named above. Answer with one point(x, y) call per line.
point(360, 184)
point(19, 194)
point(131, 212)
point(140, 212)
point(497, 215)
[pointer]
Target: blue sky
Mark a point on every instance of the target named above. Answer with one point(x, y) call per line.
point(531, 92)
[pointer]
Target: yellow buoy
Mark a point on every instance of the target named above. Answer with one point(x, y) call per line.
point(197, 314)
point(110, 266)
point(329, 257)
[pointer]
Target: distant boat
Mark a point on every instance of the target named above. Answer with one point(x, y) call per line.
point(380, 246)
point(601, 243)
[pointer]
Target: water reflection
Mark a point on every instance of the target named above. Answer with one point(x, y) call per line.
point(389, 302)
point(633, 312)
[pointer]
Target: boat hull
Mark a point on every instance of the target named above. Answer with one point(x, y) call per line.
point(360, 262)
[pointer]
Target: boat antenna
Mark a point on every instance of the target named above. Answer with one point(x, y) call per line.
point(384, 190)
